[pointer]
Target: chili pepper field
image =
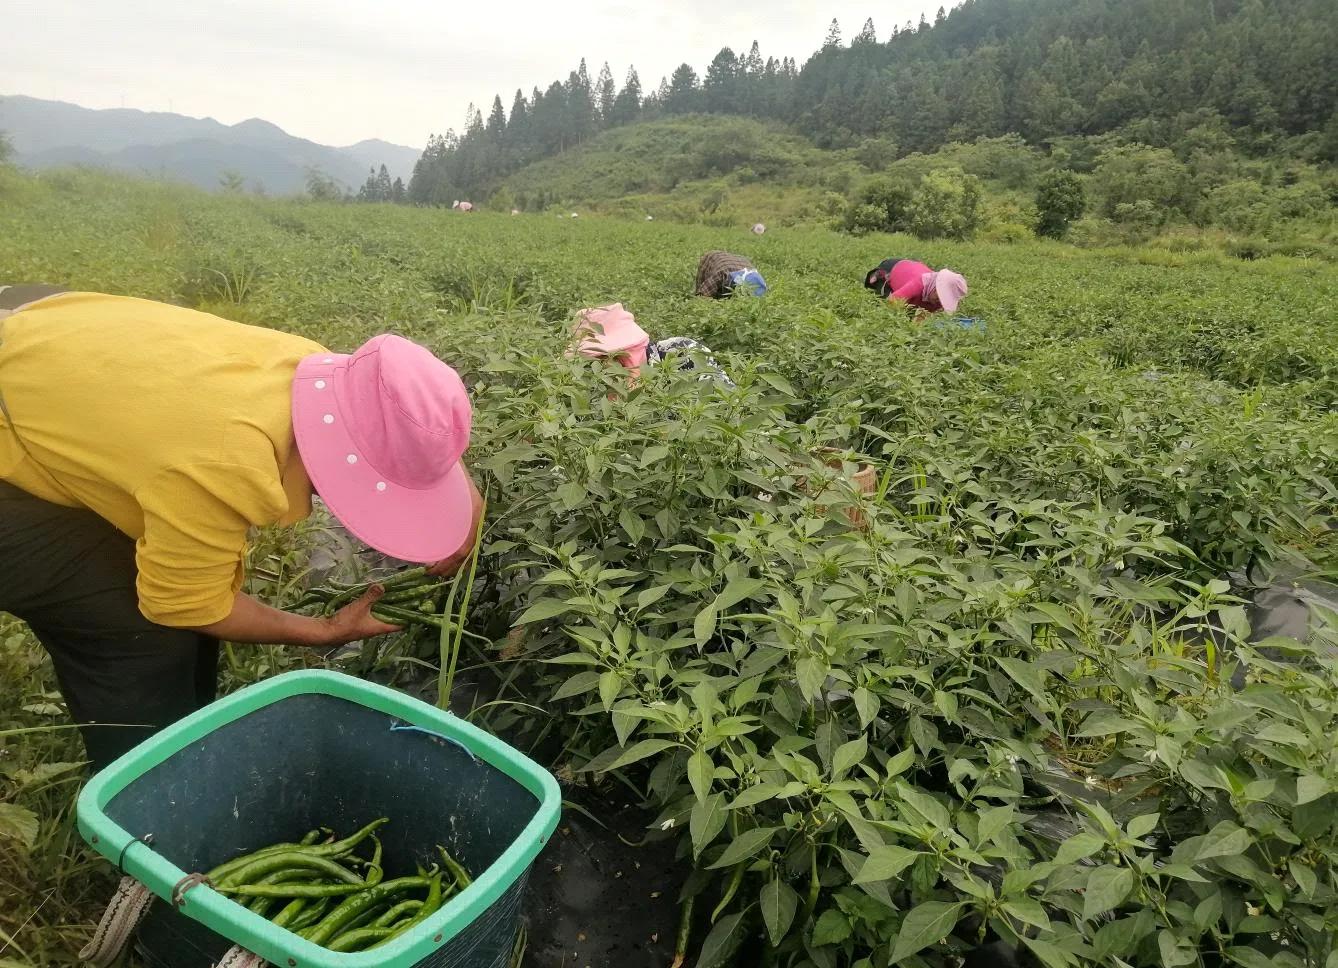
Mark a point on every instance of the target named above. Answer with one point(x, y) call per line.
point(1025, 697)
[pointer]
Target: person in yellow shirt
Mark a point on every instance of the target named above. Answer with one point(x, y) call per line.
point(139, 442)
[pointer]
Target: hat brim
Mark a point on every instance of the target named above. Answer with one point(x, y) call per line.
point(947, 295)
point(412, 524)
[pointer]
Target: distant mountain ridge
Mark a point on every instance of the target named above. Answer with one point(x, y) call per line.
point(47, 134)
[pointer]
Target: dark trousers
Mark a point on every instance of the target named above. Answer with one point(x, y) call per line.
point(71, 576)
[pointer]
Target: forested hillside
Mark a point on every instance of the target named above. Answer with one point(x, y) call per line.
point(1257, 77)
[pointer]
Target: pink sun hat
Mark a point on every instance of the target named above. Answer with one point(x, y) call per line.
point(951, 289)
point(382, 432)
point(612, 332)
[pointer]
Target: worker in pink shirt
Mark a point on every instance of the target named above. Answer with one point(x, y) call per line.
point(917, 285)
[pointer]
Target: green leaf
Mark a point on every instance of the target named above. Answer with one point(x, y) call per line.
point(866, 704)
point(653, 455)
point(926, 924)
point(885, 863)
point(18, 823)
point(756, 794)
point(811, 673)
point(652, 595)
point(1105, 723)
point(1172, 952)
point(1107, 887)
point(1118, 938)
point(707, 820)
point(720, 945)
point(700, 770)
point(632, 523)
point(744, 846)
point(615, 758)
point(832, 927)
point(1048, 954)
point(828, 738)
point(736, 591)
point(779, 903)
point(542, 610)
point(1078, 846)
point(926, 806)
point(610, 684)
point(900, 763)
point(1226, 839)
point(849, 754)
point(1249, 958)
point(1142, 826)
point(1028, 911)
point(1310, 787)
point(571, 495)
point(1304, 877)
point(1028, 676)
point(992, 821)
point(580, 683)
point(703, 627)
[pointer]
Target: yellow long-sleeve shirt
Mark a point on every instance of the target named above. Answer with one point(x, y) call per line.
point(172, 424)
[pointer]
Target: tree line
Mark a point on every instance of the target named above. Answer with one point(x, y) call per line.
point(1148, 70)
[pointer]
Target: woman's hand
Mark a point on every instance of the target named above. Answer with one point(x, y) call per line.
point(450, 565)
point(355, 620)
point(256, 622)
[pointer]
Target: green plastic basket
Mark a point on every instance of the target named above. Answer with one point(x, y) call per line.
point(312, 749)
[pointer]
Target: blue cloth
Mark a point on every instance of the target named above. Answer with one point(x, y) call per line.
point(750, 280)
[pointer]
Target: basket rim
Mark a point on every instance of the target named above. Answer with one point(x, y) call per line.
point(239, 925)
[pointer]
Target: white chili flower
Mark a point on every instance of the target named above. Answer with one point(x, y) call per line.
point(667, 824)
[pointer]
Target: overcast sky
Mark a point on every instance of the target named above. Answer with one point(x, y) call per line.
point(337, 71)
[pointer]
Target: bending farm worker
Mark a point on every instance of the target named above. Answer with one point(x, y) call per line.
point(721, 274)
point(612, 333)
point(917, 285)
point(139, 443)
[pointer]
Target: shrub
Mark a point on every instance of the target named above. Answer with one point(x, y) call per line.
point(1130, 174)
point(945, 205)
point(1060, 199)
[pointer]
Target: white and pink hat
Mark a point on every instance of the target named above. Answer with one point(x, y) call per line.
point(950, 287)
point(611, 332)
point(381, 432)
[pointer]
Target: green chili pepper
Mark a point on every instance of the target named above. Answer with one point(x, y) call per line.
point(462, 878)
point(359, 939)
point(429, 908)
point(335, 921)
point(222, 873)
point(290, 912)
point(393, 914)
point(313, 912)
point(252, 873)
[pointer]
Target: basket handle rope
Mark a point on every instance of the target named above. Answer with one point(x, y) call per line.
point(127, 908)
point(239, 957)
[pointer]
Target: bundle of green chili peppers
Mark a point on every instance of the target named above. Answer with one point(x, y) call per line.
point(322, 890)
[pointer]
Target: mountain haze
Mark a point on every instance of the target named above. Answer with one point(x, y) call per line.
point(46, 134)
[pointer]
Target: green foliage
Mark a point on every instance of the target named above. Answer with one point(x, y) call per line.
point(940, 204)
point(231, 181)
point(992, 72)
point(321, 187)
point(1060, 199)
point(882, 205)
point(991, 698)
point(945, 205)
point(1141, 185)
